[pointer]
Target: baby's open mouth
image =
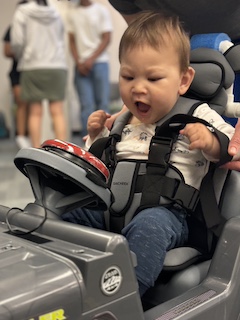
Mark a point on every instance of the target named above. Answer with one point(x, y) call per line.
point(142, 107)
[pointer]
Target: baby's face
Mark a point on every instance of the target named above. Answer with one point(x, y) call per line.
point(150, 82)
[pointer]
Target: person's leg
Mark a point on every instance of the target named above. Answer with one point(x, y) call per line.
point(21, 115)
point(21, 119)
point(236, 90)
point(86, 217)
point(58, 120)
point(150, 234)
point(34, 123)
point(101, 86)
point(84, 88)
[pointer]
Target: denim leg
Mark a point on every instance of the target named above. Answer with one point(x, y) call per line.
point(86, 217)
point(85, 91)
point(237, 81)
point(237, 88)
point(101, 86)
point(150, 234)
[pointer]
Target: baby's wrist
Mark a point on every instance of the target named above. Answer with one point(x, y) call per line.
point(93, 134)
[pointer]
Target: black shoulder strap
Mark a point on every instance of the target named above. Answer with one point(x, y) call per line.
point(211, 213)
point(158, 184)
point(105, 148)
point(161, 144)
point(98, 147)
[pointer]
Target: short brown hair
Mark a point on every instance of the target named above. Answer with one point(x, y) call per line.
point(157, 29)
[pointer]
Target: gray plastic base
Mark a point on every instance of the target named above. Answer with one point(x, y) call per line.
point(41, 275)
point(93, 253)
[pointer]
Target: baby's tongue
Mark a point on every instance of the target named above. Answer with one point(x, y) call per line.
point(142, 107)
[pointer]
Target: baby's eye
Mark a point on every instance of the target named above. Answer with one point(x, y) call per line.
point(128, 78)
point(153, 79)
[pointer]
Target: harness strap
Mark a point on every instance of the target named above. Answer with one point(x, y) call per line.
point(224, 155)
point(155, 185)
point(158, 185)
point(175, 190)
point(99, 146)
point(105, 148)
point(211, 213)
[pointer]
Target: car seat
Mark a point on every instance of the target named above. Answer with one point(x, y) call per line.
point(186, 267)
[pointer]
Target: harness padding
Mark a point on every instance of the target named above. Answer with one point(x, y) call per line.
point(127, 187)
point(140, 184)
point(133, 189)
point(122, 185)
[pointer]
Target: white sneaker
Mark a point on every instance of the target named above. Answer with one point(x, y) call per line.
point(23, 142)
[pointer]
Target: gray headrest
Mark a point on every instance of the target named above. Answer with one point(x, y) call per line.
point(213, 75)
point(233, 57)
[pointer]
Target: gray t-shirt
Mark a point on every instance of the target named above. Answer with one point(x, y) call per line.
point(200, 16)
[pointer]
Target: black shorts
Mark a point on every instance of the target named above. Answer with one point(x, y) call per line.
point(14, 76)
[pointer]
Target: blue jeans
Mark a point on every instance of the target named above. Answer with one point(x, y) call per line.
point(150, 234)
point(93, 91)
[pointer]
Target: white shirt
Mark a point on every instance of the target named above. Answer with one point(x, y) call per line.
point(193, 164)
point(37, 37)
point(88, 24)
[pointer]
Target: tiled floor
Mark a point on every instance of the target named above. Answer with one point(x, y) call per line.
point(15, 189)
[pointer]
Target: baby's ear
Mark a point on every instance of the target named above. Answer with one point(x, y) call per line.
point(187, 78)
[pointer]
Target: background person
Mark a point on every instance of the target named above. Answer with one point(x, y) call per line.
point(22, 139)
point(37, 39)
point(90, 29)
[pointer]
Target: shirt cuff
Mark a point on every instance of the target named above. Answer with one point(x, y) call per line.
point(102, 134)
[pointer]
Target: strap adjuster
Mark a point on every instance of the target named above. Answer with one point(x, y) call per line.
point(186, 195)
point(159, 153)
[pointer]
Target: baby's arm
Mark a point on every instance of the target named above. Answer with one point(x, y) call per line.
point(202, 138)
point(96, 123)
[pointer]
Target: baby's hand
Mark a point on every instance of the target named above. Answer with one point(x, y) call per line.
point(202, 138)
point(96, 122)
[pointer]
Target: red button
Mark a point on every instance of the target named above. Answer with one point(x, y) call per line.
point(79, 152)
